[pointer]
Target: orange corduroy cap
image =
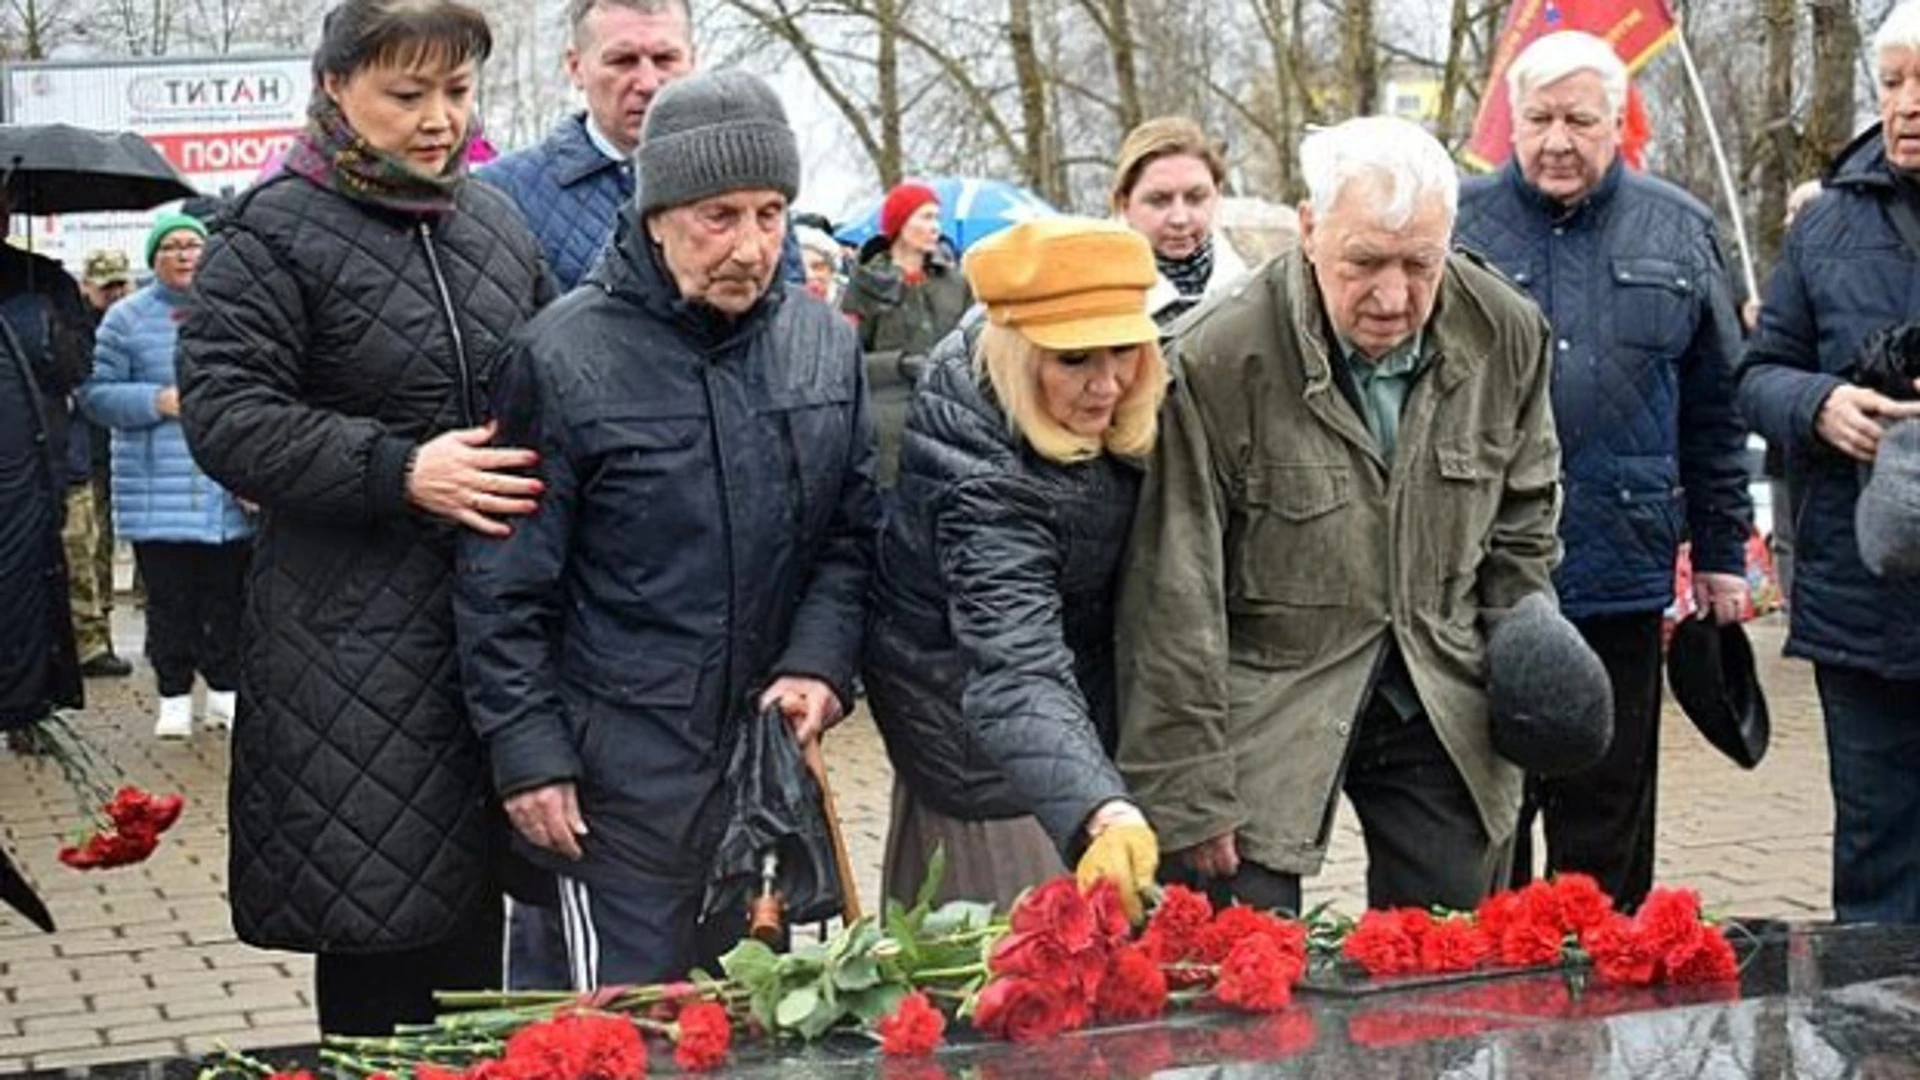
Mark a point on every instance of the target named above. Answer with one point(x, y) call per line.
point(1066, 283)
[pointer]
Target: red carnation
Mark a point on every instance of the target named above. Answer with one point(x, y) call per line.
point(1582, 902)
point(1619, 956)
point(702, 1036)
point(291, 1074)
point(1023, 1010)
point(1177, 922)
point(1237, 922)
point(1384, 943)
point(1451, 945)
point(1257, 976)
point(1498, 912)
point(427, 1070)
point(1708, 958)
point(1056, 908)
point(1133, 988)
point(1528, 943)
point(1668, 918)
point(914, 1029)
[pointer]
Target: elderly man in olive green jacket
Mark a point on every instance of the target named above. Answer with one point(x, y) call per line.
point(1358, 473)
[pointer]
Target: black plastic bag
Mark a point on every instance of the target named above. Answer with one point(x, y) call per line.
point(1889, 362)
point(774, 805)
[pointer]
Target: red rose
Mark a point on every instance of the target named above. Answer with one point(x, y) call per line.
point(1451, 945)
point(1257, 976)
point(1668, 918)
point(1177, 922)
point(1110, 923)
point(1619, 956)
point(1582, 902)
point(1056, 908)
point(1237, 922)
point(1133, 987)
point(702, 1036)
point(1381, 945)
point(1035, 954)
point(1022, 1009)
point(914, 1029)
point(1708, 958)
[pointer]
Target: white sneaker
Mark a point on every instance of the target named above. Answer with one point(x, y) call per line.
point(220, 706)
point(176, 718)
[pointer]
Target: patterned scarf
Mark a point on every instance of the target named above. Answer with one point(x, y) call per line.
point(1189, 275)
point(333, 155)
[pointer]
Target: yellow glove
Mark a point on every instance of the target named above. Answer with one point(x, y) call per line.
point(1126, 854)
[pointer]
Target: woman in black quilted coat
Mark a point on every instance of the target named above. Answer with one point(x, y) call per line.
point(344, 323)
point(989, 662)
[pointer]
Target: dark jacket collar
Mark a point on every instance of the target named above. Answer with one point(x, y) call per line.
point(634, 271)
point(1863, 163)
point(573, 154)
point(1595, 203)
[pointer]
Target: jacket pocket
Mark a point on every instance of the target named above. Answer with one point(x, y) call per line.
point(1648, 493)
point(1290, 563)
point(1654, 304)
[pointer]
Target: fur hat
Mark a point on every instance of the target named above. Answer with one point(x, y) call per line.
point(1886, 520)
point(1549, 700)
point(712, 133)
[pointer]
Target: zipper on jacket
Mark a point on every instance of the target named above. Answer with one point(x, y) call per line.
point(726, 544)
point(453, 327)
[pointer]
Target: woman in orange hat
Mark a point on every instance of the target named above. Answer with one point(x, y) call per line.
point(989, 662)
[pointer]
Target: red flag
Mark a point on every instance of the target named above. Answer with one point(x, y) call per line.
point(1637, 30)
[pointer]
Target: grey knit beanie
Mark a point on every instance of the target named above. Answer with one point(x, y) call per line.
point(1886, 520)
point(711, 133)
point(1549, 700)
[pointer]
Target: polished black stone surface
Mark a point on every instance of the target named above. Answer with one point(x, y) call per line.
point(1814, 1002)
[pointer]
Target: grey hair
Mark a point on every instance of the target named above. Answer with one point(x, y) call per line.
point(1568, 52)
point(1900, 29)
point(578, 10)
point(1409, 165)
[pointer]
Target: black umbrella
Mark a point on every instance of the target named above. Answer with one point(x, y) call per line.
point(778, 842)
point(62, 169)
point(16, 891)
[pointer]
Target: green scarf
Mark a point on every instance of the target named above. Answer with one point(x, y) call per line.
point(333, 155)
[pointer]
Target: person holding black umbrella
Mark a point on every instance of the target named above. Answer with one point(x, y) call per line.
point(344, 323)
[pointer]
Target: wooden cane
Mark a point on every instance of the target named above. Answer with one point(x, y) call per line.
point(849, 893)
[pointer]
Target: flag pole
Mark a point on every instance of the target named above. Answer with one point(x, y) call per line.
point(1719, 161)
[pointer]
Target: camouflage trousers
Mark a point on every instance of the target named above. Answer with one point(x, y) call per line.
point(89, 571)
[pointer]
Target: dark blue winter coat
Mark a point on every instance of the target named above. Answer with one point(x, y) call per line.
point(569, 192)
point(707, 525)
point(1645, 341)
point(1843, 274)
point(572, 195)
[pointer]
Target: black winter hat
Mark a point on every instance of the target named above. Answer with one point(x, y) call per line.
point(1710, 671)
point(1549, 700)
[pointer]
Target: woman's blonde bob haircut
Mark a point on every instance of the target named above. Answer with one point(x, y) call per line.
point(1011, 365)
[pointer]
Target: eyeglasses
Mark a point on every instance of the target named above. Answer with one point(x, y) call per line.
point(180, 247)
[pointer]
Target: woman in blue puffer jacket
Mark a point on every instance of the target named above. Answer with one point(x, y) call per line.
point(190, 536)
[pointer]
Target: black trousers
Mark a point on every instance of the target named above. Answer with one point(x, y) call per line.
point(1426, 845)
point(367, 994)
point(194, 599)
point(1601, 821)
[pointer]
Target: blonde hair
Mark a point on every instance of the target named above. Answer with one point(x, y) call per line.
point(1011, 365)
point(1162, 137)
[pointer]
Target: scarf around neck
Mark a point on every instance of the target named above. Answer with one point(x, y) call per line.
point(1188, 275)
point(333, 155)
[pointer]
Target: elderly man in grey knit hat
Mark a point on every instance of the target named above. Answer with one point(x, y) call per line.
point(702, 544)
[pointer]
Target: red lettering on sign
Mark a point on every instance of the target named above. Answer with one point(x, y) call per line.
point(222, 151)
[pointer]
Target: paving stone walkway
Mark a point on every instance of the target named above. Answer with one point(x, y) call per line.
point(146, 963)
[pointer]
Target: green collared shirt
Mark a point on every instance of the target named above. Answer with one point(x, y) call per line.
point(1382, 386)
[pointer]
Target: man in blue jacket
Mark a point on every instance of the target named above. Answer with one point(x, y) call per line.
point(1847, 271)
point(703, 539)
point(1628, 272)
point(572, 186)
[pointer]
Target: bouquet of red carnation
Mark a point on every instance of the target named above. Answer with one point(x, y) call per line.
point(126, 821)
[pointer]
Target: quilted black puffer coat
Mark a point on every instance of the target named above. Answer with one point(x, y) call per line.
point(707, 526)
point(327, 340)
point(989, 661)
